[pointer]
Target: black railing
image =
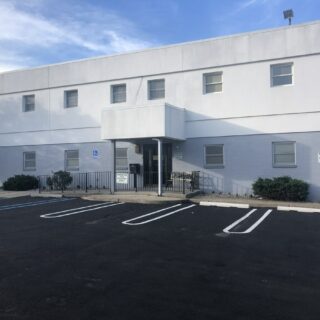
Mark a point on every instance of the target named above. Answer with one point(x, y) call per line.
point(85, 181)
point(179, 182)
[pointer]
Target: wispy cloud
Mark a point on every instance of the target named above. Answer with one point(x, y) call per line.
point(26, 33)
point(243, 5)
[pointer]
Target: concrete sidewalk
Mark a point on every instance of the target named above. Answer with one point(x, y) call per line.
point(151, 197)
point(16, 194)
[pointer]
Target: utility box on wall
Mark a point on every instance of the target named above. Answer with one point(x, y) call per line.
point(134, 168)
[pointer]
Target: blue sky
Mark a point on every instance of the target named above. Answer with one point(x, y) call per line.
point(37, 32)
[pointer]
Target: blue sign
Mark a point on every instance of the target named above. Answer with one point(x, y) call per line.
point(95, 154)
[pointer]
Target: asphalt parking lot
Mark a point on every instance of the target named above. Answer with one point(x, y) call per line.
point(75, 259)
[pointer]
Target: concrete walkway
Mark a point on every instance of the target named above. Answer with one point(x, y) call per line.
point(151, 197)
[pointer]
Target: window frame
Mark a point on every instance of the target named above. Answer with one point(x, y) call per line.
point(164, 88)
point(215, 166)
point(66, 160)
point(66, 92)
point(122, 168)
point(291, 64)
point(24, 102)
point(112, 100)
point(205, 84)
point(25, 168)
point(284, 165)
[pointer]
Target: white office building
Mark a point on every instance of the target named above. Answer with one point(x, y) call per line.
point(234, 108)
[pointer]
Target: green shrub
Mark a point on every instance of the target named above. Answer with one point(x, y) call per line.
point(281, 188)
point(60, 180)
point(21, 183)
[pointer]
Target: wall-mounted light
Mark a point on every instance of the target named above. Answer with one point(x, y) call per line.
point(288, 14)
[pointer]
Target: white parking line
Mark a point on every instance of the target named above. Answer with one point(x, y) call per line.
point(226, 230)
point(60, 214)
point(32, 204)
point(129, 222)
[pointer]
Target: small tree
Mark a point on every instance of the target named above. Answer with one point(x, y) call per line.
point(60, 180)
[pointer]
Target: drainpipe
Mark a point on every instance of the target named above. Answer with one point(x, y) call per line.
point(113, 166)
point(159, 166)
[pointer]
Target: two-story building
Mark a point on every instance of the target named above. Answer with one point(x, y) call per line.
point(235, 108)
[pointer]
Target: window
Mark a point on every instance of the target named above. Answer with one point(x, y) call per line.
point(29, 161)
point(281, 74)
point(156, 89)
point(121, 159)
point(71, 98)
point(284, 154)
point(28, 103)
point(212, 82)
point(72, 160)
point(118, 93)
point(214, 155)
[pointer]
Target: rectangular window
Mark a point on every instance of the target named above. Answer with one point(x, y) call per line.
point(281, 74)
point(284, 154)
point(118, 93)
point(212, 82)
point(156, 89)
point(72, 160)
point(121, 159)
point(28, 103)
point(71, 98)
point(214, 155)
point(29, 161)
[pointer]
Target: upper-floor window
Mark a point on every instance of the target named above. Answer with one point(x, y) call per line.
point(212, 82)
point(121, 159)
point(156, 89)
point(118, 93)
point(28, 103)
point(214, 155)
point(71, 160)
point(29, 160)
point(284, 154)
point(281, 74)
point(71, 98)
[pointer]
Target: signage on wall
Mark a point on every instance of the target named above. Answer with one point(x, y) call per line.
point(122, 177)
point(319, 157)
point(95, 154)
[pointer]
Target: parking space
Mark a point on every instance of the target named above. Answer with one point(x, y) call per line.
point(77, 259)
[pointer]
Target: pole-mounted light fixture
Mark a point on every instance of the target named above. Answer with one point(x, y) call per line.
point(288, 14)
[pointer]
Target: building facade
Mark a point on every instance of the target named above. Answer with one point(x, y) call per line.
point(235, 108)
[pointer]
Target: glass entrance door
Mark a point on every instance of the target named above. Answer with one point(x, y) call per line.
point(150, 163)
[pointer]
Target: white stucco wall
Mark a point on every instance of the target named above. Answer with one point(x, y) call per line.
point(247, 105)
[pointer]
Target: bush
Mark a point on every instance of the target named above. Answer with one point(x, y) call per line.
point(60, 180)
point(281, 188)
point(21, 183)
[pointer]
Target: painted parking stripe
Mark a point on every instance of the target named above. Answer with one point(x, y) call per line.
point(151, 213)
point(74, 211)
point(130, 223)
point(250, 229)
point(32, 204)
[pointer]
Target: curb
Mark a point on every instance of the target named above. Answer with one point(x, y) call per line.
point(298, 209)
point(225, 204)
point(42, 195)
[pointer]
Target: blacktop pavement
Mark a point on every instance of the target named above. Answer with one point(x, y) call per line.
point(149, 197)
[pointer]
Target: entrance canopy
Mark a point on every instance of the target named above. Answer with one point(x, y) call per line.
point(157, 121)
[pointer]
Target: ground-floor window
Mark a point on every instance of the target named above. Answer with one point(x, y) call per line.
point(72, 160)
point(213, 155)
point(284, 154)
point(121, 159)
point(29, 160)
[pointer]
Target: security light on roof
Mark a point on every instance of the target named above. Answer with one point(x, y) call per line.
point(288, 14)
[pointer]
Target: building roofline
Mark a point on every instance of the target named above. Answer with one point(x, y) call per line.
point(181, 44)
